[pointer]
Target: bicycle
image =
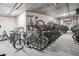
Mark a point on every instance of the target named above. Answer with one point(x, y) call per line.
point(4, 36)
point(75, 36)
point(37, 40)
point(18, 42)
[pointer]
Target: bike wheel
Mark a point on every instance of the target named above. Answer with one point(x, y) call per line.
point(19, 44)
point(40, 24)
point(43, 43)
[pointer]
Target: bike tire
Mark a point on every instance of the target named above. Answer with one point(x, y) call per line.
point(37, 24)
point(15, 44)
point(43, 43)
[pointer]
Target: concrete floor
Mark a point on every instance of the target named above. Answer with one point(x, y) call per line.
point(64, 46)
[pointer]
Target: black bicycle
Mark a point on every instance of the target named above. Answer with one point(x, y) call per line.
point(18, 42)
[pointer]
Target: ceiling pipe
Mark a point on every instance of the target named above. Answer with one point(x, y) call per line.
point(19, 6)
point(67, 5)
point(12, 8)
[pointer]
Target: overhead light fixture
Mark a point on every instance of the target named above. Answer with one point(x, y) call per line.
point(67, 5)
point(14, 10)
point(17, 12)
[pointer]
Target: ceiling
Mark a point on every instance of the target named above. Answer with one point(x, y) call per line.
point(50, 9)
point(5, 8)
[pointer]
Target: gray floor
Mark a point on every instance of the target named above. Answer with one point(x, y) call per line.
point(64, 46)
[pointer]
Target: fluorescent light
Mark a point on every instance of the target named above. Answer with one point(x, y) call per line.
point(14, 12)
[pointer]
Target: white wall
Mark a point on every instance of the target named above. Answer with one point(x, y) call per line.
point(21, 20)
point(7, 23)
